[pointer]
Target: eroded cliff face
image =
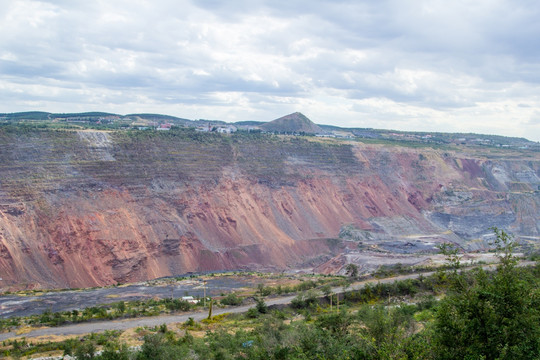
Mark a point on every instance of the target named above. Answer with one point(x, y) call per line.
point(96, 208)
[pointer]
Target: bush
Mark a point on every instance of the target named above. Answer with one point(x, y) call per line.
point(264, 290)
point(177, 304)
point(304, 300)
point(231, 299)
point(337, 323)
point(305, 285)
point(495, 317)
point(261, 306)
point(85, 351)
point(190, 322)
point(252, 313)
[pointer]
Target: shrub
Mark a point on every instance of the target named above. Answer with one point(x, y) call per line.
point(261, 306)
point(304, 300)
point(495, 317)
point(231, 299)
point(252, 313)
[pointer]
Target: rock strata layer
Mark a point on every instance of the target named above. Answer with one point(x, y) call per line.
point(95, 208)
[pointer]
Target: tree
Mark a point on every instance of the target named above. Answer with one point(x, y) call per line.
point(85, 351)
point(121, 307)
point(115, 352)
point(497, 316)
point(386, 331)
point(337, 323)
point(263, 291)
point(231, 299)
point(451, 251)
point(210, 309)
point(327, 291)
point(261, 306)
point(351, 270)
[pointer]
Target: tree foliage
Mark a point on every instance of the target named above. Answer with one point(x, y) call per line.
point(496, 317)
point(352, 270)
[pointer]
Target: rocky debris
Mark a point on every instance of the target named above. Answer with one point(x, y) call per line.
point(99, 143)
point(369, 262)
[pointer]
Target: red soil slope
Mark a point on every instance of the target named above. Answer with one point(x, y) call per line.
point(86, 210)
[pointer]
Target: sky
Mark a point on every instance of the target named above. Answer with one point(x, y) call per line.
point(449, 66)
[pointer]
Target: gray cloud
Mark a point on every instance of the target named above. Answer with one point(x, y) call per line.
point(535, 119)
point(411, 65)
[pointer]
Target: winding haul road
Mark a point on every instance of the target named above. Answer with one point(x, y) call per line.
point(99, 326)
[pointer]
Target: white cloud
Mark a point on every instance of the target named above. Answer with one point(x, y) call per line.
point(415, 65)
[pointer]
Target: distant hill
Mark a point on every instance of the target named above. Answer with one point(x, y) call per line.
point(157, 117)
point(30, 115)
point(161, 118)
point(41, 115)
point(292, 123)
point(249, 123)
point(83, 115)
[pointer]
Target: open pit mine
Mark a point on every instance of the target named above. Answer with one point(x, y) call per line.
point(92, 208)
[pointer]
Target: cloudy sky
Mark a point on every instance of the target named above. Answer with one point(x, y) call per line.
point(453, 66)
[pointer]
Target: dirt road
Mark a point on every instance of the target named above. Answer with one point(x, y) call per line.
point(90, 327)
point(99, 326)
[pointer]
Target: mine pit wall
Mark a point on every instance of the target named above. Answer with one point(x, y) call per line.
point(95, 210)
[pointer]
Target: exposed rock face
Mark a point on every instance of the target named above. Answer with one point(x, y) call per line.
point(97, 208)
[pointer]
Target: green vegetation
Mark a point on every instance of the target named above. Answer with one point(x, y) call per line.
point(491, 316)
point(118, 310)
point(352, 270)
point(231, 299)
point(296, 124)
point(408, 144)
point(482, 315)
point(153, 307)
point(81, 348)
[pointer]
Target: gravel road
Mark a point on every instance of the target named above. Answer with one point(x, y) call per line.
point(99, 326)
